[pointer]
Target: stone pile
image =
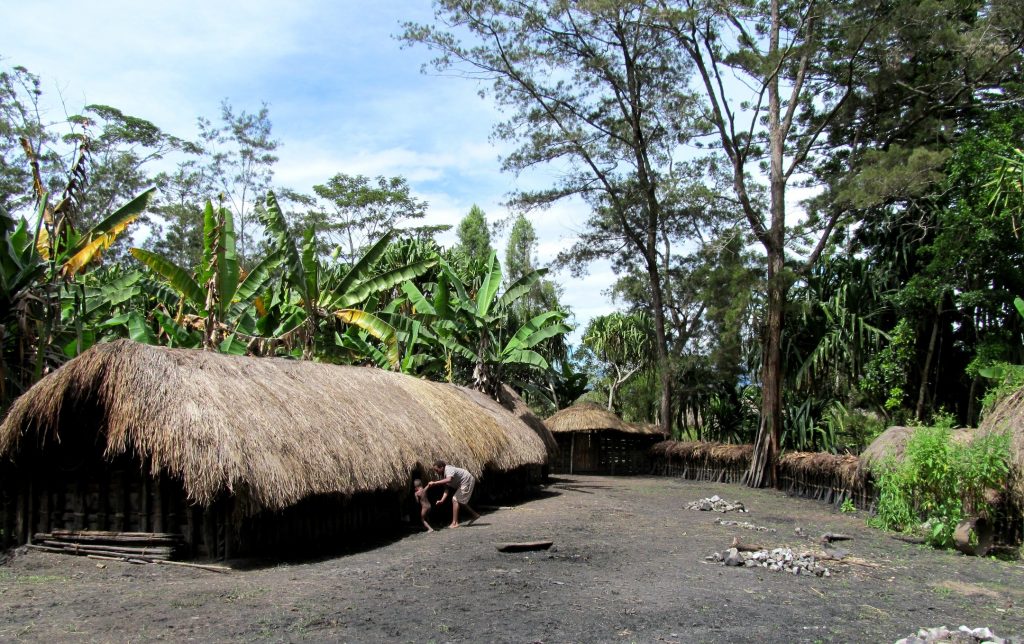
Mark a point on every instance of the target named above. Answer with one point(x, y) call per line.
point(963, 635)
point(746, 525)
point(716, 504)
point(776, 560)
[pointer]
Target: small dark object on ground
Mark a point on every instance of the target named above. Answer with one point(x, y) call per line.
point(524, 546)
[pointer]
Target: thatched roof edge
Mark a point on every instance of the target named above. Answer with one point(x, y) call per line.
point(271, 429)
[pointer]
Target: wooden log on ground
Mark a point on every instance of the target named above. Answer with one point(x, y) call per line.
point(524, 546)
point(102, 535)
point(142, 550)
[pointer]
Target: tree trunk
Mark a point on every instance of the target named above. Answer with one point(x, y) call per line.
point(657, 303)
point(762, 465)
point(932, 342)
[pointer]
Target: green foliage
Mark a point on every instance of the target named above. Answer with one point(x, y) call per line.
point(885, 378)
point(354, 212)
point(847, 507)
point(474, 235)
point(939, 482)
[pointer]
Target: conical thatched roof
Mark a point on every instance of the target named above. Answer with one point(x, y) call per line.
point(267, 429)
point(1008, 416)
point(586, 417)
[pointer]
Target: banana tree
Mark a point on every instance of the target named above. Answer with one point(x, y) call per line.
point(473, 328)
point(217, 299)
point(35, 268)
point(332, 293)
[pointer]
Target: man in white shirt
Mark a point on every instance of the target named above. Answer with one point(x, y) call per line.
point(460, 483)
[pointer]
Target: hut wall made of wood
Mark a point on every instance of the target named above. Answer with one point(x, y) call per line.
point(603, 452)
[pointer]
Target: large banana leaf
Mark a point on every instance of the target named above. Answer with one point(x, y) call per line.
point(254, 283)
point(355, 343)
point(379, 283)
point(489, 287)
point(364, 265)
point(526, 357)
point(421, 305)
point(209, 233)
point(274, 220)
point(376, 327)
point(535, 327)
point(174, 274)
point(521, 287)
point(103, 234)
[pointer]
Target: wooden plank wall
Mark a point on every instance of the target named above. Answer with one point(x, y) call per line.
point(605, 452)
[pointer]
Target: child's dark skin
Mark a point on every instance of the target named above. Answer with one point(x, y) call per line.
point(421, 496)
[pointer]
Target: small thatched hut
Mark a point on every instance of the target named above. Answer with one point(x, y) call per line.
point(240, 455)
point(593, 440)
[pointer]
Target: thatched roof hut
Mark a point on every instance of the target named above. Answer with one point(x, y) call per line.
point(1008, 416)
point(269, 430)
point(594, 440)
point(586, 417)
point(893, 442)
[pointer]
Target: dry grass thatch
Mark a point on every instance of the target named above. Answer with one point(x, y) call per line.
point(1008, 415)
point(845, 470)
point(889, 443)
point(893, 441)
point(721, 454)
point(512, 401)
point(271, 431)
point(647, 429)
point(587, 417)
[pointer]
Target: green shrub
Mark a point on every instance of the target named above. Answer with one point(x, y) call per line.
point(939, 483)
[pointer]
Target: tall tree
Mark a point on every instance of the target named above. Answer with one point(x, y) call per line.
point(520, 259)
point(474, 234)
point(356, 211)
point(622, 343)
point(241, 157)
point(592, 89)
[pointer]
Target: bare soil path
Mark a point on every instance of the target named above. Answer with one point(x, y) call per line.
point(627, 565)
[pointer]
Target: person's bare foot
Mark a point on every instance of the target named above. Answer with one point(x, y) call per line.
point(454, 525)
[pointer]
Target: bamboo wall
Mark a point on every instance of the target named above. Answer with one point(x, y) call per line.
point(603, 452)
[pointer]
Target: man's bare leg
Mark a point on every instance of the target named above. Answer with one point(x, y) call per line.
point(455, 513)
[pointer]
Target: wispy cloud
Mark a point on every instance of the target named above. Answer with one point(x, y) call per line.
point(344, 96)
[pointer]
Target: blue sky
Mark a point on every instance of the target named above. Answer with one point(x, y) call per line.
point(343, 94)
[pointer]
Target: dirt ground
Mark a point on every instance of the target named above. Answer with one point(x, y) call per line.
point(628, 565)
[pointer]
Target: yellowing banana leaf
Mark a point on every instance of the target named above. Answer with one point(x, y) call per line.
point(103, 234)
point(376, 327)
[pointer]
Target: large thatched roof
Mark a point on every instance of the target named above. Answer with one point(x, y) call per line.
point(587, 417)
point(271, 430)
point(1008, 416)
